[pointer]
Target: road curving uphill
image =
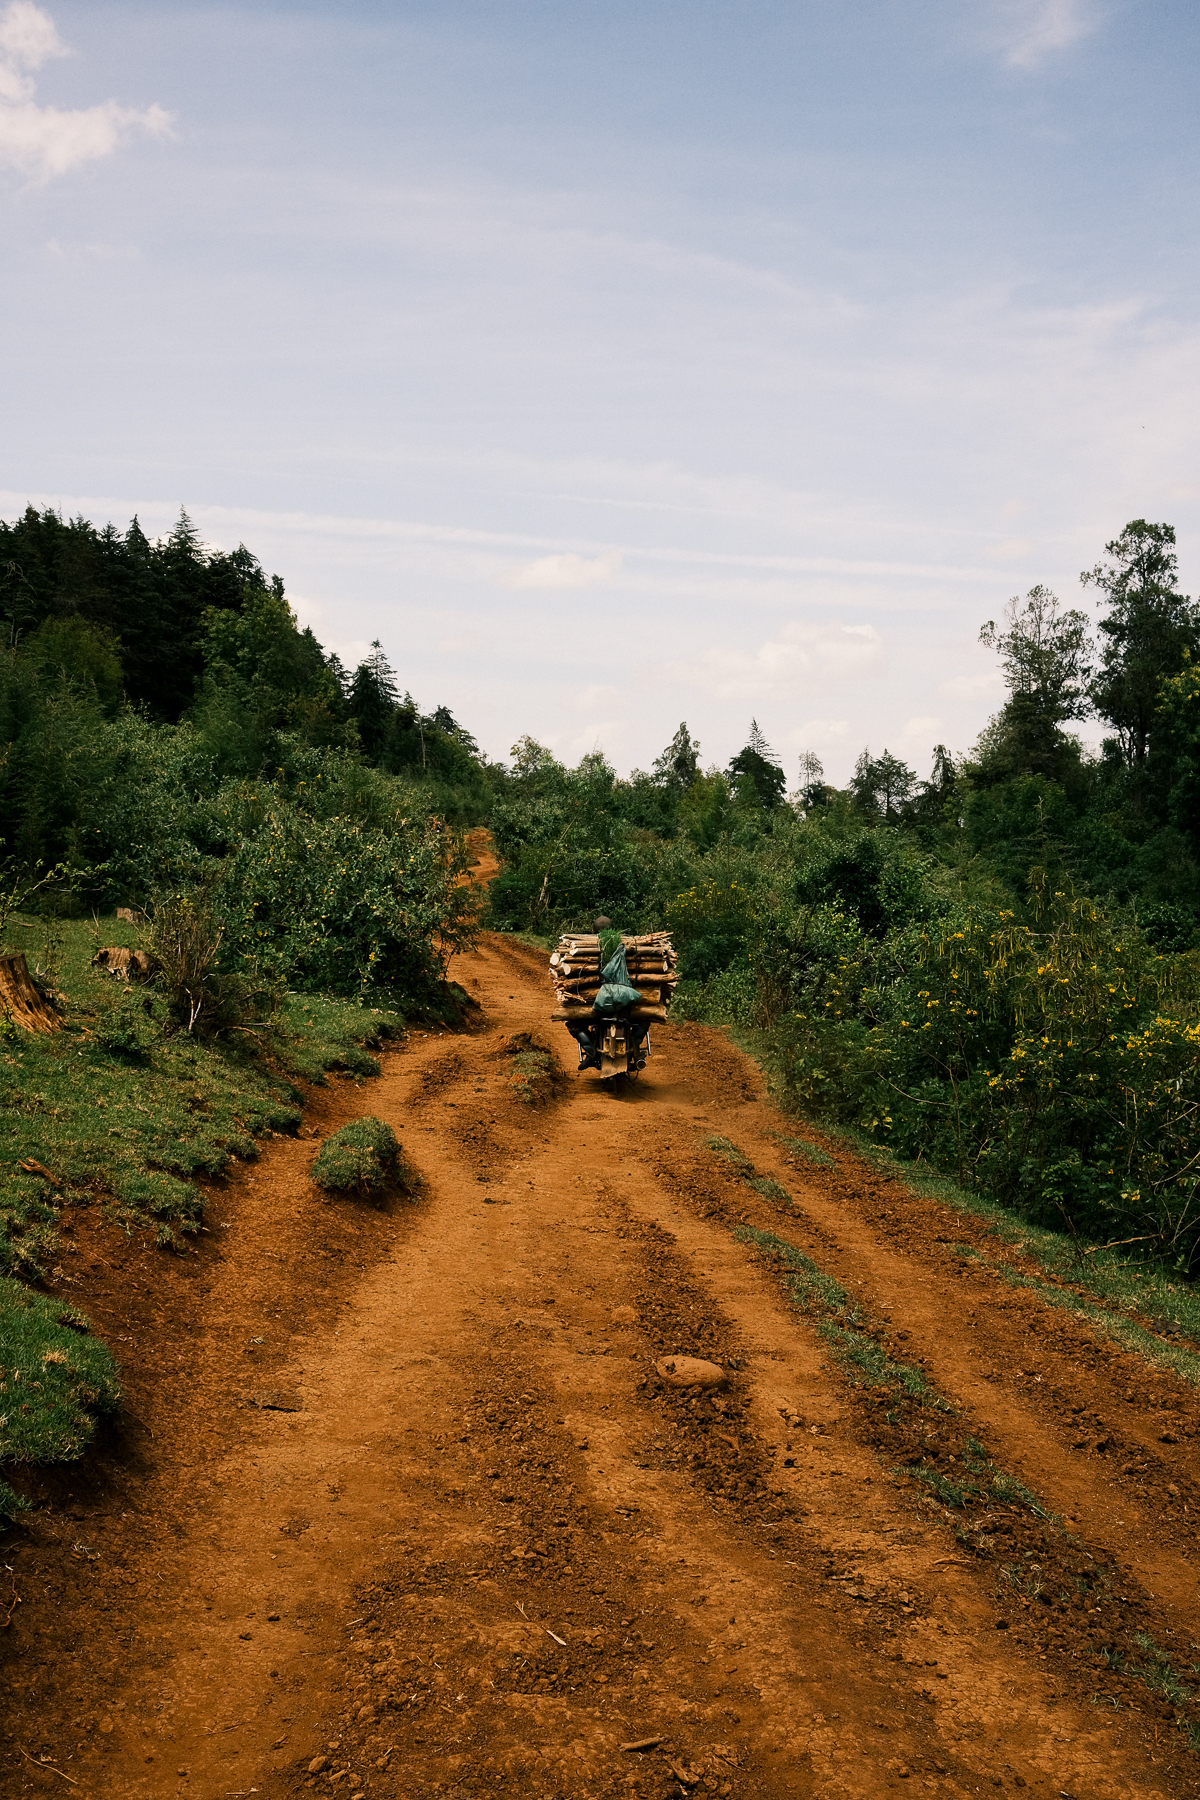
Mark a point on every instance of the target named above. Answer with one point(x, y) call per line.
point(418, 1498)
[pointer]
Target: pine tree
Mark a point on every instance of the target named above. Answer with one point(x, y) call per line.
point(374, 696)
point(679, 763)
point(882, 784)
point(757, 777)
point(757, 741)
point(811, 791)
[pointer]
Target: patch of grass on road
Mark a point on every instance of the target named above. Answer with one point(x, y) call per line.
point(862, 1359)
point(729, 1153)
point(363, 1157)
point(741, 1166)
point(804, 1147)
point(536, 1076)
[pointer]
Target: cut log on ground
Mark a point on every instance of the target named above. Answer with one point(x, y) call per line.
point(126, 965)
point(21, 1000)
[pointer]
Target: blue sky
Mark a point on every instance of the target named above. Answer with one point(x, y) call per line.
point(618, 364)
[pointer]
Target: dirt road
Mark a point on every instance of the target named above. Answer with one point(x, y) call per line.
point(401, 1506)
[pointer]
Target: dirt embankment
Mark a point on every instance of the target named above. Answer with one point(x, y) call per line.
point(399, 1506)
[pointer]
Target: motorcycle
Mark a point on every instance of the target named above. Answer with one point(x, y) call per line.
point(616, 1045)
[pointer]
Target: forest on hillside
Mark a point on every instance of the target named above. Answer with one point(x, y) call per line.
point(995, 969)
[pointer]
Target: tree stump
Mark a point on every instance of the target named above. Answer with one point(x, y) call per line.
point(20, 999)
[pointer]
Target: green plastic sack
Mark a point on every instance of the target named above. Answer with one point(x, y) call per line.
point(616, 994)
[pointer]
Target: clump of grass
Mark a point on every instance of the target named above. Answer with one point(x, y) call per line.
point(531, 1070)
point(363, 1157)
point(812, 1153)
point(737, 1159)
point(535, 1073)
point(54, 1382)
point(950, 1493)
point(770, 1190)
point(1158, 1672)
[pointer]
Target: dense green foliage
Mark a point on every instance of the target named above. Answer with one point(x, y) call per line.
point(996, 970)
point(170, 730)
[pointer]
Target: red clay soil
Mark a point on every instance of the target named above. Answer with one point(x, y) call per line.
point(398, 1505)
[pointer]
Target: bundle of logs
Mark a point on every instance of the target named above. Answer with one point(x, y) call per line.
point(575, 972)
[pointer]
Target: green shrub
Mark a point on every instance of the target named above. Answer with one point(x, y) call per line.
point(363, 1156)
point(710, 924)
point(54, 1382)
point(125, 1032)
point(340, 907)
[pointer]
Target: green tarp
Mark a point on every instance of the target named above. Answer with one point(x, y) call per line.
point(616, 994)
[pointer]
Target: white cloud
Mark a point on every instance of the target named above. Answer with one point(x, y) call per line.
point(591, 699)
point(818, 734)
point(42, 141)
point(1028, 31)
point(827, 652)
point(1009, 550)
point(971, 687)
point(28, 38)
point(567, 570)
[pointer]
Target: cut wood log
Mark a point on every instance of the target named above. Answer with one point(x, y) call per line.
point(647, 996)
point(126, 965)
point(23, 1003)
point(657, 965)
point(578, 942)
point(576, 1015)
point(591, 989)
point(569, 965)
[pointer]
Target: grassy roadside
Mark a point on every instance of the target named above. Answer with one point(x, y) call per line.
point(1138, 1303)
point(113, 1113)
point(1043, 1575)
